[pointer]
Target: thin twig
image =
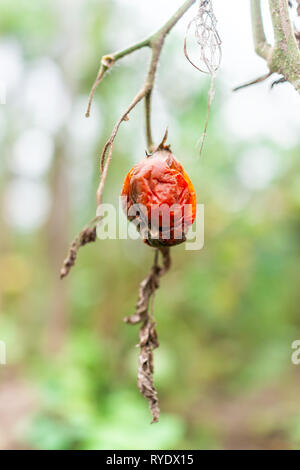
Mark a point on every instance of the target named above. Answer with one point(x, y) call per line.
point(147, 334)
point(277, 82)
point(101, 73)
point(155, 42)
point(262, 48)
point(109, 144)
point(284, 57)
point(209, 42)
point(211, 94)
point(150, 143)
point(87, 235)
point(253, 82)
point(108, 61)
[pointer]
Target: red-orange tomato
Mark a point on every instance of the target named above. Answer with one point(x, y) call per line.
point(165, 197)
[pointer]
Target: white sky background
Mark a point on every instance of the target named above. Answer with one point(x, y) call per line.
point(252, 113)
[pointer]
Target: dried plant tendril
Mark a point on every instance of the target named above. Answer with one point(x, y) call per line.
point(207, 38)
point(209, 42)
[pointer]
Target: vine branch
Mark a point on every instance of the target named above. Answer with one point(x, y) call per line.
point(284, 57)
point(155, 42)
point(150, 143)
point(147, 334)
point(262, 48)
point(107, 62)
point(253, 82)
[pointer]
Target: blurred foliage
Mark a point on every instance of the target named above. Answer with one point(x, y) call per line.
point(226, 315)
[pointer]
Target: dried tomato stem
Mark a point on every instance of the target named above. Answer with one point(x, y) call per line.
point(284, 56)
point(155, 43)
point(147, 334)
point(87, 235)
point(150, 144)
point(253, 82)
point(107, 62)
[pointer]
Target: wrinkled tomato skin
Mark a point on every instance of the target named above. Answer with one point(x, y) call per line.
point(157, 183)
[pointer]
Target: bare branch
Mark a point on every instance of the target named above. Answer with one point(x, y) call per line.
point(277, 82)
point(109, 144)
point(147, 88)
point(155, 42)
point(253, 82)
point(284, 57)
point(262, 48)
point(286, 54)
point(280, 20)
point(102, 70)
point(150, 143)
point(108, 61)
point(147, 334)
point(87, 235)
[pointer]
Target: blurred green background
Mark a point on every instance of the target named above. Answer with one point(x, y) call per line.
point(226, 315)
